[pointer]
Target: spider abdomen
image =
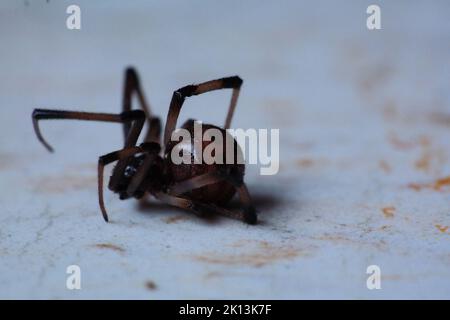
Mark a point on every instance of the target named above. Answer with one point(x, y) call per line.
point(218, 192)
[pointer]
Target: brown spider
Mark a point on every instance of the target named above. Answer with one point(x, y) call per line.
point(144, 169)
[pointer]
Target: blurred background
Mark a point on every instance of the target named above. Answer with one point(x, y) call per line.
point(364, 121)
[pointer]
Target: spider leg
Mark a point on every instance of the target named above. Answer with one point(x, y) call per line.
point(116, 156)
point(248, 213)
point(132, 85)
point(142, 172)
point(105, 160)
point(181, 94)
point(205, 179)
point(202, 209)
point(130, 141)
point(136, 117)
point(199, 209)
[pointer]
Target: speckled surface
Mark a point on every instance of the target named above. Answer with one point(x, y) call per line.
point(364, 120)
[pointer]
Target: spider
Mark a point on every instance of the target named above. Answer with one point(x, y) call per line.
point(147, 168)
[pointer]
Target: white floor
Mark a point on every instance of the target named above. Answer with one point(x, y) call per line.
point(364, 121)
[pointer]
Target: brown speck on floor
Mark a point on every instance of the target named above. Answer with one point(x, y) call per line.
point(150, 285)
point(431, 158)
point(441, 183)
point(442, 228)
point(175, 219)
point(305, 163)
point(343, 239)
point(388, 212)
point(256, 254)
point(423, 163)
point(398, 143)
point(416, 186)
point(385, 166)
point(437, 185)
point(110, 247)
point(310, 162)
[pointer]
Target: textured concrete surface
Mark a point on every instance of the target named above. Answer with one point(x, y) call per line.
point(364, 120)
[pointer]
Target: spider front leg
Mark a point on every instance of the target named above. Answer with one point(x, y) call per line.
point(136, 117)
point(105, 160)
point(119, 155)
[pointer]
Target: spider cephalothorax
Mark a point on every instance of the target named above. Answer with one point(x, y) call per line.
point(148, 168)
